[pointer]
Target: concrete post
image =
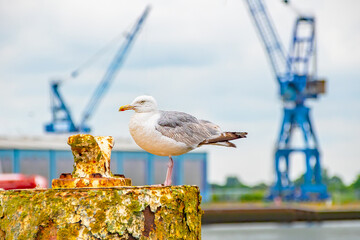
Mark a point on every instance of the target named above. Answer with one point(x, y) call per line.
point(91, 203)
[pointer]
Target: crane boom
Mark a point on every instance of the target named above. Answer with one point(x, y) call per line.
point(62, 121)
point(270, 39)
point(111, 71)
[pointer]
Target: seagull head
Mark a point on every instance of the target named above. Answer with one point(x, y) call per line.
point(141, 104)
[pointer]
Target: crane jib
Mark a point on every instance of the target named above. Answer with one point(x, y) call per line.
point(111, 71)
point(62, 121)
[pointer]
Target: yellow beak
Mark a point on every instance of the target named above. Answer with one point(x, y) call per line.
point(126, 107)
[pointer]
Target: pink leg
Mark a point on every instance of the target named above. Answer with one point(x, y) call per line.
point(168, 179)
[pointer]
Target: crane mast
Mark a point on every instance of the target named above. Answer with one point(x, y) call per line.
point(62, 121)
point(297, 83)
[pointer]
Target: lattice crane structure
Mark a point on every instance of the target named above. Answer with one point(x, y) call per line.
point(295, 73)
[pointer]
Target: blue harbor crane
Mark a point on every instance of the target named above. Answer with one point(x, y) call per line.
point(62, 121)
point(295, 72)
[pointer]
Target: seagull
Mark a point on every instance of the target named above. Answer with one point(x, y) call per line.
point(171, 133)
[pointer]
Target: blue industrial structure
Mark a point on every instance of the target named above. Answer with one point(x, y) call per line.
point(142, 167)
point(62, 122)
point(297, 84)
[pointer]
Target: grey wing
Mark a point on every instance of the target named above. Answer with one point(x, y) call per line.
point(183, 127)
point(212, 127)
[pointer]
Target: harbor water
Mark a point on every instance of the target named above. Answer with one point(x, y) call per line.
point(344, 230)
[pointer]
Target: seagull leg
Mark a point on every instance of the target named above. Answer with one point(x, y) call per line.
point(168, 179)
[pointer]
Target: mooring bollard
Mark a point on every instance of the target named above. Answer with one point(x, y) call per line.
point(92, 203)
point(91, 164)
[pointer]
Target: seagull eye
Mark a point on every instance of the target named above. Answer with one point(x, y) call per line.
point(142, 102)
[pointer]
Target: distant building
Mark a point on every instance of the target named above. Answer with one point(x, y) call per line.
point(49, 156)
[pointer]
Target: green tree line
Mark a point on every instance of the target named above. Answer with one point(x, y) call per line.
point(340, 192)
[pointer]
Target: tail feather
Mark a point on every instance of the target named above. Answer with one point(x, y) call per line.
point(224, 138)
point(225, 144)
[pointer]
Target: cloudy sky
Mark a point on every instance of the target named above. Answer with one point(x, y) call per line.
point(201, 57)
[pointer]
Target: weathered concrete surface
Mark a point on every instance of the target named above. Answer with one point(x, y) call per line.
point(149, 212)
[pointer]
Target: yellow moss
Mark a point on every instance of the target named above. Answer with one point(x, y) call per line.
point(69, 232)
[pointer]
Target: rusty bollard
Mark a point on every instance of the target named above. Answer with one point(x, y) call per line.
point(91, 164)
point(92, 203)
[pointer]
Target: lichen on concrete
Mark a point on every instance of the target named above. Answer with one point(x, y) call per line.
point(150, 212)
